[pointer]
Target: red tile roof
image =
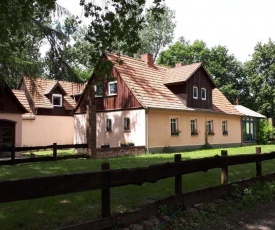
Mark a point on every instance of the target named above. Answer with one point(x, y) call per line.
point(20, 95)
point(38, 88)
point(147, 83)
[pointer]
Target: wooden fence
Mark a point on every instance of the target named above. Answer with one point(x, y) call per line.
point(54, 157)
point(22, 189)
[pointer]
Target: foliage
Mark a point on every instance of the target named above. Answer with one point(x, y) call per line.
point(215, 216)
point(261, 71)
point(21, 37)
point(264, 132)
point(26, 25)
point(156, 34)
point(227, 72)
point(117, 22)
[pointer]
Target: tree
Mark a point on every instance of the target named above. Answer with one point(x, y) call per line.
point(20, 20)
point(117, 22)
point(156, 34)
point(227, 72)
point(261, 72)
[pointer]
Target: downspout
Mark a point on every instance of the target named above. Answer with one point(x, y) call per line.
point(146, 130)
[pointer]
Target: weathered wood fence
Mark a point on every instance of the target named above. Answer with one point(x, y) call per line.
point(22, 189)
point(54, 157)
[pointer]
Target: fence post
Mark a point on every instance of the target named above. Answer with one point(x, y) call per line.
point(105, 194)
point(224, 173)
point(12, 154)
point(258, 163)
point(54, 151)
point(178, 178)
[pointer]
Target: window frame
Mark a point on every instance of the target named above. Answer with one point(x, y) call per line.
point(211, 126)
point(195, 91)
point(109, 88)
point(203, 98)
point(174, 126)
point(193, 127)
point(224, 127)
point(96, 87)
point(126, 124)
point(109, 125)
point(57, 96)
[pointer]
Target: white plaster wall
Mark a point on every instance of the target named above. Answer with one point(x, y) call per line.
point(46, 130)
point(80, 129)
point(114, 137)
point(18, 126)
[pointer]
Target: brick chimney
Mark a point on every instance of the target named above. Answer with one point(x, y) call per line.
point(179, 64)
point(147, 58)
point(237, 101)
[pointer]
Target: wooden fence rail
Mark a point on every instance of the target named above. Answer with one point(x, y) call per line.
point(54, 157)
point(22, 189)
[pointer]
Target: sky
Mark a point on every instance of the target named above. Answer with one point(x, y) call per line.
point(237, 24)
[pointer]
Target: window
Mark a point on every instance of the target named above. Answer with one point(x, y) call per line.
point(195, 92)
point(112, 88)
point(126, 124)
point(203, 93)
point(98, 90)
point(108, 124)
point(193, 124)
point(174, 126)
point(249, 125)
point(224, 128)
point(210, 130)
point(57, 100)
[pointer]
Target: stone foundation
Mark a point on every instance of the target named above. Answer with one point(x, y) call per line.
point(120, 151)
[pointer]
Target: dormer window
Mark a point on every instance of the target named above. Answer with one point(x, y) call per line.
point(57, 100)
point(203, 93)
point(112, 86)
point(195, 92)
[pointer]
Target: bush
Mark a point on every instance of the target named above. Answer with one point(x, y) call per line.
point(264, 132)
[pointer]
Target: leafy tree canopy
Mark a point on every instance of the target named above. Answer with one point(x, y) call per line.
point(261, 71)
point(25, 24)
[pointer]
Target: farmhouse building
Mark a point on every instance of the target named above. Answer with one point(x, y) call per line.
point(157, 107)
point(50, 105)
point(11, 111)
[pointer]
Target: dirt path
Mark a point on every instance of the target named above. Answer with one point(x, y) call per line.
point(262, 218)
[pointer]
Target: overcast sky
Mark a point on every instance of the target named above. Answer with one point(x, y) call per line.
point(237, 24)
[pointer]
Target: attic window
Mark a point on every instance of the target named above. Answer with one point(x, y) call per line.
point(112, 86)
point(195, 92)
point(203, 93)
point(57, 100)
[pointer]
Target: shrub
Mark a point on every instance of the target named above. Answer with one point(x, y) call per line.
point(264, 132)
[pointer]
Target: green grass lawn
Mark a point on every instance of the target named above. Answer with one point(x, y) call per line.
point(60, 211)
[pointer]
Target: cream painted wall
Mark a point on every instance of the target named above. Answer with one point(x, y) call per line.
point(80, 129)
point(160, 134)
point(114, 137)
point(46, 130)
point(18, 127)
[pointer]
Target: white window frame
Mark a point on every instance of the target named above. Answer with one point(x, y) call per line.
point(195, 92)
point(210, 125)
point(126, 124)
point(57, 96)
point(174, 126)
point(193, 126)
point(224, 127)
point(203, 89)
point(108, 125)
point(109, 88)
